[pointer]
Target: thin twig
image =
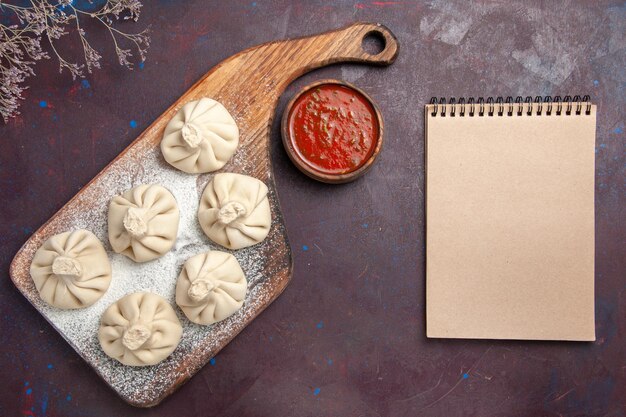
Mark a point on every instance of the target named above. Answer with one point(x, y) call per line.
point(20, 44)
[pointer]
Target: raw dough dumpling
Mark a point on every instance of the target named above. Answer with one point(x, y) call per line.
point(201, 137)
point(71, 270)
point(211, 287)
point(143, 222)
point(139, 329)
point(234, 211)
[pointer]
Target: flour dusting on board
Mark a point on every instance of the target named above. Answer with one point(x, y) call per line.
point(143, 385)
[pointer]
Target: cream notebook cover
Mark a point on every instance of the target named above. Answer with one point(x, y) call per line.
point(510, 219)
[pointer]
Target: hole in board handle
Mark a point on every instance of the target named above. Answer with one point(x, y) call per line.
point(374, 42)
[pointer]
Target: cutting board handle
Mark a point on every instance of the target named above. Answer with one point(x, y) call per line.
point(341, 45)
point(346, 44)
point(293, 57)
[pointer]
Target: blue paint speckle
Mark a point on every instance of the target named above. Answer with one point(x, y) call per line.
point(465, 376)
point(618, 130)
point(602, 145)
point(29, 391)
point(320, 325)
point(254, 4)
point(68, 398)
point(596, 83)
point(26, 383)
point(85, 84)
point(50, 366)
point(329, 361)
point(43, 104)
point(212, 361)
point(44, 403)
point(316, 391)
point(133, 124)
point(141, 65)
point(305, 248)
point(365, 225)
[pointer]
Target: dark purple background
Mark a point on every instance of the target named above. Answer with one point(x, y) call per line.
point(347, 336)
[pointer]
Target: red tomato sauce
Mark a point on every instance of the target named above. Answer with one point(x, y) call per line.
point(333, 128)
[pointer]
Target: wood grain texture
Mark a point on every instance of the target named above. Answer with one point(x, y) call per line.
point(248, 85)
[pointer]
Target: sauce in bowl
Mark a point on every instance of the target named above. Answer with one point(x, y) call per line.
point(333, 130)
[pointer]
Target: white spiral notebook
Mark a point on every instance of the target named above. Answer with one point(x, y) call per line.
point(510, 218)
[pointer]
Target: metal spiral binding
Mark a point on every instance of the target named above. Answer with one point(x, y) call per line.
point(499, 106)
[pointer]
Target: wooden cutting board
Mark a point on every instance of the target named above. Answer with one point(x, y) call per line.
point(248, 84)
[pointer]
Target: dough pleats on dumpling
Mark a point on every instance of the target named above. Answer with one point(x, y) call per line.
point(71, 270)
point(211, 287)
point(143, 222)
point(201, 137)
point(139, 329)
point(234, 210)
